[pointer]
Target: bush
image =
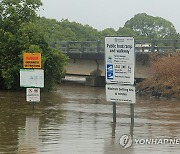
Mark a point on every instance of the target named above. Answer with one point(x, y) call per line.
point(54, 63)
point(20, 33)
point(165, 76)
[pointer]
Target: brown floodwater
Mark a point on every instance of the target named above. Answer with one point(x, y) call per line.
point(76, 119)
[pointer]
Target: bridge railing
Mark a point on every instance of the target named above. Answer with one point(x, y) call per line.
point(141, 46)
point(82, 46)
point(165, 45)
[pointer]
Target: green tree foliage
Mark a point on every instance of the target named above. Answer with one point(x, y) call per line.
point(128, 32)
point(107, 32)
point(54, 67)
point(19, 32)
point(151, 27)
point(141, 26)
point(81, 32)
point(59, 31)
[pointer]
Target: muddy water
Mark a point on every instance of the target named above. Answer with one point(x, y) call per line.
point(76, 119)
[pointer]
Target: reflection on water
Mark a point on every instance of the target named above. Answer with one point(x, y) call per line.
point(77, 119)
point(28, 139)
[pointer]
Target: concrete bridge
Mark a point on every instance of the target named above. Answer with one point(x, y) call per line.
point(87, 58)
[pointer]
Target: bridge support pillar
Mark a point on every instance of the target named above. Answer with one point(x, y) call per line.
point(95, 81)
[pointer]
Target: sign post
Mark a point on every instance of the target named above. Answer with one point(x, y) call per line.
point(132, 114)
point(120, 65)
point(114, 112)
point(32, 76)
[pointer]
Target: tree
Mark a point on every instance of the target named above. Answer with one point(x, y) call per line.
point(14, 15)
point(128, 32)
point(19, 32)
point(64, 30)
point(108, 32)
point(151, 27)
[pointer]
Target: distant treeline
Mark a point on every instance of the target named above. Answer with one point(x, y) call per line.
point(141, 26)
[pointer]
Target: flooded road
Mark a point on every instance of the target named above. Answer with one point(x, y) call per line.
point(76, 119)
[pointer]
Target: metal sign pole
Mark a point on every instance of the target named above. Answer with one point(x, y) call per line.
point(114, 112)
point(132, 120)
point(33, 105)
point(132, 114)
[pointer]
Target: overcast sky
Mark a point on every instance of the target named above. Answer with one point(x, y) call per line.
point(102, 14)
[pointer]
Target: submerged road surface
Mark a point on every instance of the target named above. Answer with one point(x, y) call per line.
point(76, 119)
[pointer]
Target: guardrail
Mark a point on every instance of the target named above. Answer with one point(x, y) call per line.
point(142, 46)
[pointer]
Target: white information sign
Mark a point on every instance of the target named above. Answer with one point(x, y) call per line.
point(119, 60)
point(33, 78)
point(120, 93)
point(33, 94)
